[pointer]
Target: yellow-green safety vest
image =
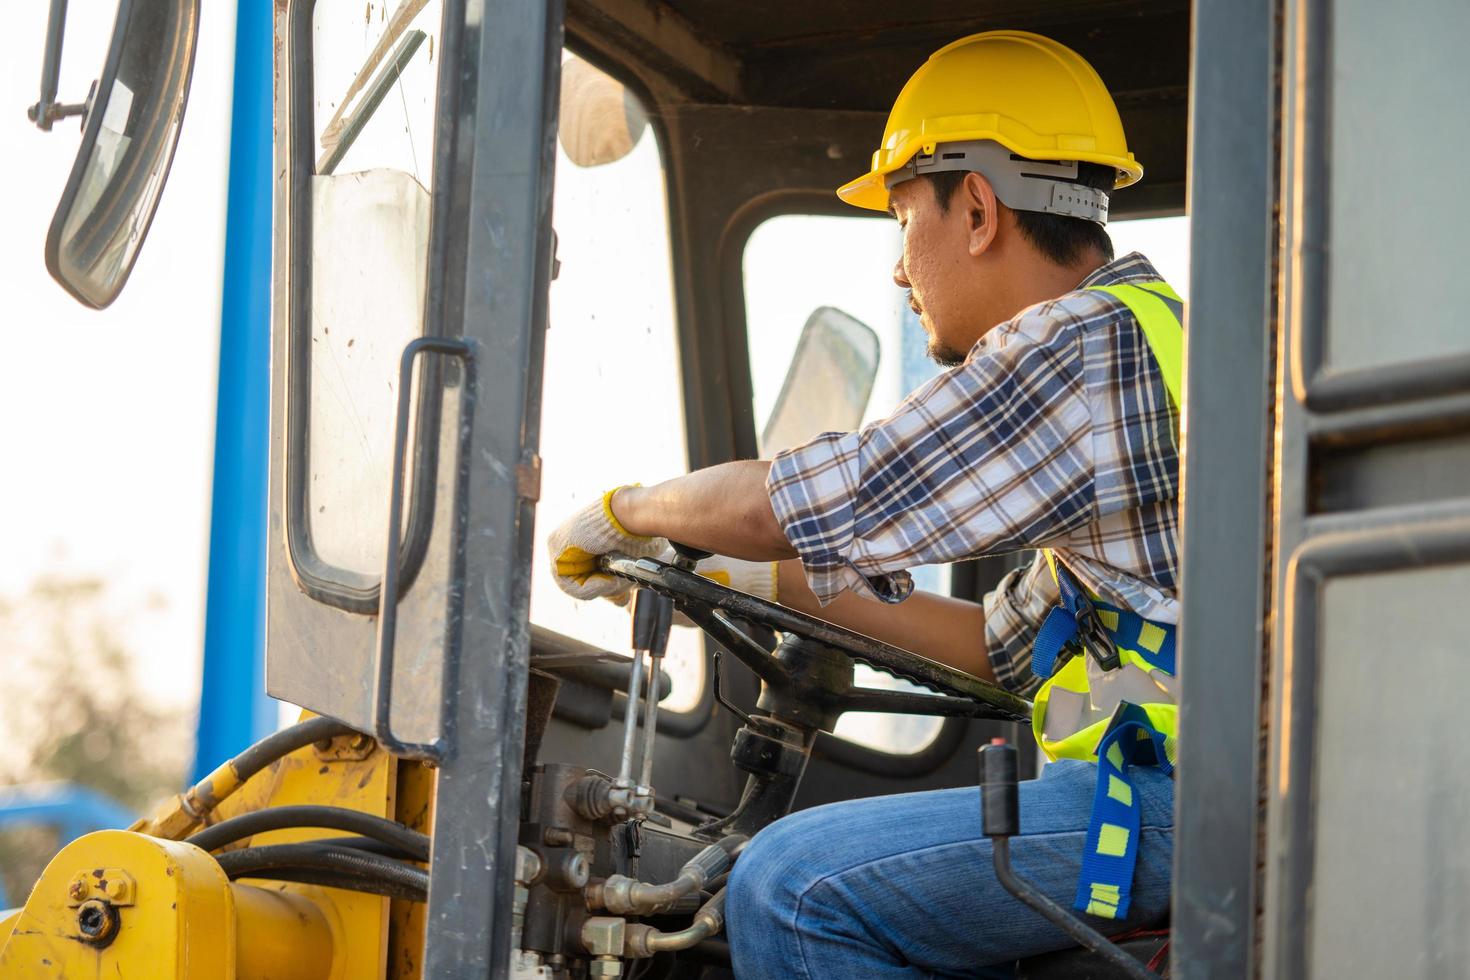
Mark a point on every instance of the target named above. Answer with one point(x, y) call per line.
point(1113, 689)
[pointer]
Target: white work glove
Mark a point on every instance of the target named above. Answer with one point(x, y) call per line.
point(757, 578)
point(585, 537)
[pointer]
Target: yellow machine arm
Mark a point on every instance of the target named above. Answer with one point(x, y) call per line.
point(145, 903)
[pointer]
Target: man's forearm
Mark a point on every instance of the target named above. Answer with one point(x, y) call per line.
point(942, 628)
point(724, 509)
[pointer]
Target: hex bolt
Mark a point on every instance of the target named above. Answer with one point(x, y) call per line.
point(79, 889)
point(97, 922)
point(360, 742)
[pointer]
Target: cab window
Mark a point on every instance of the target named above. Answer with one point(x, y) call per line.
point(611, 408)
point(794, 265)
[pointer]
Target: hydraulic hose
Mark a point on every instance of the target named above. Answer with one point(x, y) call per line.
point(323, 878)
point(622, 895)
point(185, 812)
point(362, 867)
point(641, 941)
point(410, 842)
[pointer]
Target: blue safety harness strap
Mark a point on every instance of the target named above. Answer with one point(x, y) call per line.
point(1105, 886)
point(1111, 856)
point(1153, 642)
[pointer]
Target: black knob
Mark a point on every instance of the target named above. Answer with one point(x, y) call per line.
point(1000, 807)
point(688, 555)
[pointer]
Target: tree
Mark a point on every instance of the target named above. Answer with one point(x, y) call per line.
point(75, 712)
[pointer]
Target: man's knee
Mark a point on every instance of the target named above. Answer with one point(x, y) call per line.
point(773, 871)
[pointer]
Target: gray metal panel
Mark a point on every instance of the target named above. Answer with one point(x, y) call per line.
point(1395, 88)
point(1342, 438)
point(488, 282)
point(1375, 261)
point(1318, 772)
point(1226, 487)
point(1409, 818)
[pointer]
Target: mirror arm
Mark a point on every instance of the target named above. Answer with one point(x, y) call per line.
point(48, 110)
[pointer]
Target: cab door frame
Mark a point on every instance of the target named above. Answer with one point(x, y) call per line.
point(1229, 409)
point(490, 270)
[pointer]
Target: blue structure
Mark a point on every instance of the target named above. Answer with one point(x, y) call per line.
point(73, 810)
point(233, 708)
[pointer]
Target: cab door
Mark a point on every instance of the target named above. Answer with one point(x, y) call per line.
point(1365, 869)
point(413, 253)
point(1327, 495)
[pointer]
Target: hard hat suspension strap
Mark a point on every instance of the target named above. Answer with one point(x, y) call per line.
point(1020, 184)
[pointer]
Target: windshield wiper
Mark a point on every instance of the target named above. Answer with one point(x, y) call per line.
point(398, 23)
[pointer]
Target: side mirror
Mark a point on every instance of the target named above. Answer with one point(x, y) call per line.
point(828, 383)
point(130, 126)
point(600, 121)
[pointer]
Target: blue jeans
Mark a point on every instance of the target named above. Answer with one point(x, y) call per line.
point(904, 887)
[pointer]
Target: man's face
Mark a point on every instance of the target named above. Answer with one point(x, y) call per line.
point(937, 269)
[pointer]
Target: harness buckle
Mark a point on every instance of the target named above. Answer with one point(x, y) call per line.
point(1093, 637)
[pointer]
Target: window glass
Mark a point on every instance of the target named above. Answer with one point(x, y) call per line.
point(612, 406)
point(1163, 241)
point(793, 265)
point(374, 78)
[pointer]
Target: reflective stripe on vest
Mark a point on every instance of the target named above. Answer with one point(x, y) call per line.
point(1115, 705)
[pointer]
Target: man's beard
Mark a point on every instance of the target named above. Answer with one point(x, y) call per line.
point(944, 355)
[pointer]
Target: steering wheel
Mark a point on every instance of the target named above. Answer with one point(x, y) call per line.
point(801, 668)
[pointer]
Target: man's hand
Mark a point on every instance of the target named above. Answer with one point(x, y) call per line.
point(585, 537)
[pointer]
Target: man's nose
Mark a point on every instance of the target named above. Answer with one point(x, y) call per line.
point(898, 274)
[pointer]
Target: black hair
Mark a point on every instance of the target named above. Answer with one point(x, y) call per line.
point(1060, 239)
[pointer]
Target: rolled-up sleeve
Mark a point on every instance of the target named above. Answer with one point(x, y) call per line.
point(994, 455)
point(1014, 612)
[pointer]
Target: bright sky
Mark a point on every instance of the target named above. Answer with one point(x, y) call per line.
point(109, 439)
point(109, 416)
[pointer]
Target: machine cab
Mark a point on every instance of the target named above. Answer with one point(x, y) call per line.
point(527, 252)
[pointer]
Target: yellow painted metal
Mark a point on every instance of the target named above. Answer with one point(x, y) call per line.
point(178, 915)
point(7, 925)
point(282, 935)
point(180, 922)
point(358, 777)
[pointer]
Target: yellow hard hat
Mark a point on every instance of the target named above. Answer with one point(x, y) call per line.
point(1032, 95)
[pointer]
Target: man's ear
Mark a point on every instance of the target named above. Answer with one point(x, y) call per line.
point(982, 212)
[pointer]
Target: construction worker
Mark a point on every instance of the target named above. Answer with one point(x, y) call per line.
point(1054, 427)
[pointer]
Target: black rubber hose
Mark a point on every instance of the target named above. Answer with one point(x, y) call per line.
point(410, 842)
point(346, 882)
point(255, 862)
point(284, 742)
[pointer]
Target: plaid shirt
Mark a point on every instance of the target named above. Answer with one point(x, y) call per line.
point(1056, 431)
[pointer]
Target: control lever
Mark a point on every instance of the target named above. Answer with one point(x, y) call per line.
point(653, 617)
point(1000, 820)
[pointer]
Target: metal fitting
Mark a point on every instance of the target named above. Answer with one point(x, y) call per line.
point(576, 869)
point(97, 922)
point(602, 935)
point(111, 885)
point(642, 941)
point(528, 865)
point(605, 967)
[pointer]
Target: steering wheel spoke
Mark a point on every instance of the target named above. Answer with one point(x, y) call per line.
point(714, 608)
